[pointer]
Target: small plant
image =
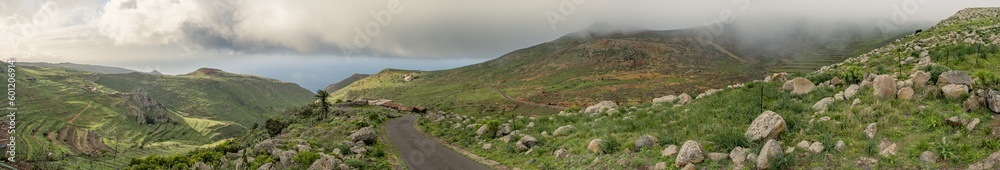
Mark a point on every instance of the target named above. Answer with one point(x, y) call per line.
point(852, 75)
point(610, 145)
point(306, 158)
point(573, 109)
point(987, 78)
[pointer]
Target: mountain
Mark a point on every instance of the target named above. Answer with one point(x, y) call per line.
point(343, 83)
point(81, 67)
point(629, 66)
point(72, 117)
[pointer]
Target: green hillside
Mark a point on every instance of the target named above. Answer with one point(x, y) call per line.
point(81, 67)
point(75, 119)
point(343, 83)
point(920, 126)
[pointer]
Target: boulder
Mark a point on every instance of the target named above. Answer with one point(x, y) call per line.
point(596, 146)
point(928, 157)
point(840, 146)
point(801, 86)
point(660, 166)
point(526, 142)
point(822, 104)
point(887, 148)
point(669, 151)
point(602, 106)
point(771, 152)
point(644, 141)
point(992, 100)
point(884, 86)
point(971, 104)
point(561, 153)
point(684, 99)
point(507, 139)
point(988, 163)
point(803, 144)
point(482, 130)
point(717, 156)
point(955, 121)
point(267, 166)
point(816, 147)
point(286, 157)
point(690, 153)
point(767, 125)
point(920, 78)
point(952, 91)
point(738, 155)
point(788, 85)
point(689, 167)
point(905, 93)
point(954, 77)
point(870, 130)
point(851, 91)
point(563, 130)
point(972, 124)
point(487, 146)
point(665, 99)
point(835, 81)
point(366, 134)
point(325, 162)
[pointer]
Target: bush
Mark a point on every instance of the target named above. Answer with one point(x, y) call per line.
point(306, 158)
point(573, 109)
point(275, 126)
point(610, 145)
point(987, 78)
point(852, 75)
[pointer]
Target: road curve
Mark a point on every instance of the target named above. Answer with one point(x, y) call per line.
point(421, 152)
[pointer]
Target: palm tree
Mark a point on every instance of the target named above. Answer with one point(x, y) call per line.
point(322, 95)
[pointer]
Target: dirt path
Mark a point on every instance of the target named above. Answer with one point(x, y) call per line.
point(504, 94)
point(78, 113)
point(421, 152)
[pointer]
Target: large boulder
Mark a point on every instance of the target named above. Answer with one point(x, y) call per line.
point(988, 163)
point(644, 141)
point(684, 99)
point(905, 93)
point(766, 125)
point(596, 146)
point(771, 152)
point(801, 86)
point(482, 130)
point(851, 91)
point(738, 155)
point(884, 86)
point(366, 134)
point(952, 91)
point(920, 78)
point(690, 154)
point(665, 99)
point(526, 142)
point(788, 85)
point(325, 162)
point(602, 106)
point(563, 130)
point(954, 77)
point(992, 100)
point(823, 104)
point(972, 103)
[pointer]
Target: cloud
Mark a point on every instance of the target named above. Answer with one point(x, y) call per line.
point(443, 28)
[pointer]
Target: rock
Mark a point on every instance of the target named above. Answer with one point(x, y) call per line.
point(526, 142)
point(530, 125)
point(717, 156)
point(267, 166)
point(344, 166)
point(928, 157)
point(955, 121)
point(265, 146)
point(286, 157)
point(201, 166)
point(972, 124)
point(839, 96)
point(884, 86)
point(689, 167)
point(905, 93)
point(561, 153)
point(851, 91)
point(816, 147)
point(801, 86)
point(563, 130)
point(769, 153)
point(684, 99)
point(482, 130)
point(739, 155)
point(487, 146)
point(870, 131)
point(504, 130)
point(954, 77)
point(767, 125)
point(988, 163)
point(790, 150)
point(971, 104)
point(752, 157)
point(690, 154)
point(669, 151)
point(325, 162)
point(660, 166)
point(887, 148)
point(822, 104)
point(360, 150)
point(788, 85)
point(866, 162)
point(920, 78)
point(803, 144)
point(835, 81)
point(665, 99)
point(644, 141)
point(856, 102)
point(507, 139)
point(602, 106)
point(992, 100)
point(596, 146)
point(952, 91)
point(776, 77)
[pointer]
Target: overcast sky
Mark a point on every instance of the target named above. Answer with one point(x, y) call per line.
point(318, 42)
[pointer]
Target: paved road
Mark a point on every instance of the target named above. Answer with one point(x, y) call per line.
point(420, 152)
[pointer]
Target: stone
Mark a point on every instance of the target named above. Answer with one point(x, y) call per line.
point(816, 147)
point(563, 130)
point(482, 130)
point(822, 104)
point(601, 107)
point(325, 162)
point(856, 102)
point(689, 167)
point(561, 153)
point(738, 155)
point(596, 146)
point(928, 157)
point(665, 99)
point(768, 154)
point(660, 166)
point(953, 91)
point(972, 124)
point(530, 125)
point(788, 85)
point(790, 150)
point(992, 100)
point(644, 141)
point(955, 121)
point(690, 153)
point(684, 99)
point(988, 163)
point(884, 86)
point(870, 130)
point(971, 104)
point(267, 166)
point(487, 146)
point(201, 166)
point(507, 139)
point(866, 162)
point(954, 77)
point(801, 86)
point(526, 142)
point(767, 125)
point(835, 81)
point(887, 148)
point(717, 156)
point(920, 78)
point(669, 151)
point(905, 93)
point(851, 91)
point(803, 144)
point(839, 96)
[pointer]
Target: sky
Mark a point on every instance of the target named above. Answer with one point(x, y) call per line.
point(318, 42)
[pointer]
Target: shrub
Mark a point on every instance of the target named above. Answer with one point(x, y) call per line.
point(573, 109)
point(822, 77)
point(852, 75)
point(275, 126)
point(261, 160)
point(306, 158)
point(728, 139)
point(610, 145)
point(987, 78)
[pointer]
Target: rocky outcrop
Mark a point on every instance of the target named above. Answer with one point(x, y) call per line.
point(884, 86)
point(142, 108)
point(690, 154)
point(801, 86)
point(767, 125)
point(366, 134)
point(602, 106)
point(954, 77)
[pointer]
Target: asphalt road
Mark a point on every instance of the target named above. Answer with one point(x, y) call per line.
point(421, 152)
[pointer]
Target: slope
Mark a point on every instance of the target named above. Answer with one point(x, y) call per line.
point(343, 83)
point(81, 67)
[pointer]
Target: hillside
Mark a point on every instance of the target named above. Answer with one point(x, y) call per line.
point(82, 67)
point(74, 117)
point(925, 101)
point(629, 68)
point(343, 83)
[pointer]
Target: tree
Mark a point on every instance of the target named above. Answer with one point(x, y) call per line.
point(322, 95)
